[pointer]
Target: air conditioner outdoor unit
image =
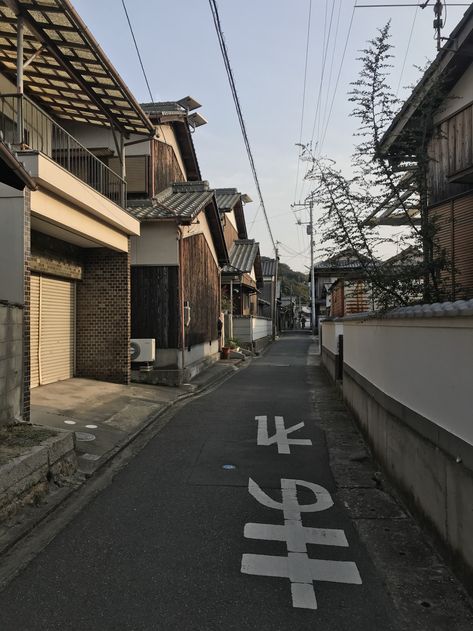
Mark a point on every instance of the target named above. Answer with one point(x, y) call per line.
point(142, 350)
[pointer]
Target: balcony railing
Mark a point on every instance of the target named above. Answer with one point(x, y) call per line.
point(25, 126)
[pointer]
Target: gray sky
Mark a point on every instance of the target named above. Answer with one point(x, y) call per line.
point(266, 40)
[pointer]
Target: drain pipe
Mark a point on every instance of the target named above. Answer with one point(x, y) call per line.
point(180, 238)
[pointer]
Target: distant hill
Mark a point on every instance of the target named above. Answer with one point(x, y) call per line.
point(293, 283)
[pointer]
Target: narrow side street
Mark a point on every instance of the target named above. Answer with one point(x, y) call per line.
point(255, 507)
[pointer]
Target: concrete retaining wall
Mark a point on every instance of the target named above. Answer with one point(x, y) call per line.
point(11, 362)
point(408, 383)
point(25, 480)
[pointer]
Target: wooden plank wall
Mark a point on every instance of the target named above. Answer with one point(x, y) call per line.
point(155, 304)
point(201, 280)
point(450, 151)
point(229, 232)
point(337, 308)
point(356, 297)
point(454, 235)
point(166, 166)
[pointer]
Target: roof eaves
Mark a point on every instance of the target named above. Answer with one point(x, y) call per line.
point(432, 74)
point(38, 29)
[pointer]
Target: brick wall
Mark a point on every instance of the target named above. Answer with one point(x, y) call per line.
point(103, 316)
point(55, 257)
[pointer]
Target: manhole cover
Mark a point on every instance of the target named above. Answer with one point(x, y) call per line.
point(228, 467)
point(84, 437)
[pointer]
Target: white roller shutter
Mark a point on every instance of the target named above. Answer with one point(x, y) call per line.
point(34, 331)
point(53, 344)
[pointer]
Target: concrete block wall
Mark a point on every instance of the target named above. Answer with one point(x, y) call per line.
point(103, 316)
point(11, 363)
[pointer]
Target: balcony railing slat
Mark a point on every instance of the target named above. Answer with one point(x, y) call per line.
point(42, 133)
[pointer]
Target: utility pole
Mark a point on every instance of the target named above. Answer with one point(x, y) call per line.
point(274, 297)
point(309, 203)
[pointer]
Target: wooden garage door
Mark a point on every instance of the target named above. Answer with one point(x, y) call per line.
point(53, 330)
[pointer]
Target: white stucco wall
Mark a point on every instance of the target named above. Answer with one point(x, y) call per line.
point(157, 244)
point(230, 216)
point(425, 364)
point(330, 332)
point(251, 328)
point(12, 203)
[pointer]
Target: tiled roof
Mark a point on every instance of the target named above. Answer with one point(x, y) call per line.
point(227, 198)
point(435, 310)
point(268, 266)
point(181, 200)
point(243, 255)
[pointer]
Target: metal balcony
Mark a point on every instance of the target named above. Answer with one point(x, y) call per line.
point(27, 127)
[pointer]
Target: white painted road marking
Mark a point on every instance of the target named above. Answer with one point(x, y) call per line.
point(297, 566)
point(290, 505)
point(281, 435)
point(296, 535)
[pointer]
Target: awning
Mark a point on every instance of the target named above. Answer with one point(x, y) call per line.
point(66, 71)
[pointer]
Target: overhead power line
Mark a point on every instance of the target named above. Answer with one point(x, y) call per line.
point(322, 73)
point(241, 120)
point(141, 63)
point(407, 50)
point(137, 51)
point(337, 81)
point(303, 98)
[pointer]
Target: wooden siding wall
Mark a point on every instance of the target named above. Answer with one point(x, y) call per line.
point(166, 166)
point(356, 297)
point(229, 231)
point(337, 309)
point(454, 235)
point(201, 290)
point(155, 304)
point(451, 152)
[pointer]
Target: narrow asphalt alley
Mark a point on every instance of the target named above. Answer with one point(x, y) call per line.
point(228, 520)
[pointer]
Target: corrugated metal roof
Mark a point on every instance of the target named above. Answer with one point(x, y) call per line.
point(243, 255)
point(227, 198)
point(68, 73)
point(268, 266)
point(180, 200)
point(164, 108)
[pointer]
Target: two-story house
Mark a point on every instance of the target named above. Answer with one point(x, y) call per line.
point(67, 241)
point(242, 278)
point(176, 262)
point(450, 154)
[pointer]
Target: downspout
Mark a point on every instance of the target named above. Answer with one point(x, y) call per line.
point(231, 310)
point(19, 79)
point(123, 169)
point(181, 296)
